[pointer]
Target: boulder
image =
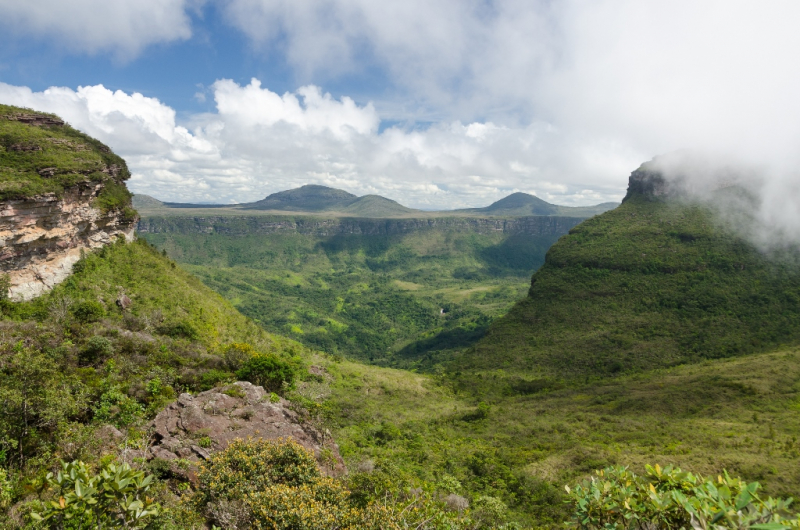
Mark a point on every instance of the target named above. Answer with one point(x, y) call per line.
point(194, 427)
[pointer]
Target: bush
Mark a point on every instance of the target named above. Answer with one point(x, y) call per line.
point(671, 498)
point(276, 484)
point(116, 497)
point(237, 354)
point(180, 329)
point(114, 196)
point(213, 378)
point(97, 348)
point(88, 311)
point(268, 371)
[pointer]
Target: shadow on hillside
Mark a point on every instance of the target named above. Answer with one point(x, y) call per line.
point(428, 352)
point(518, 253)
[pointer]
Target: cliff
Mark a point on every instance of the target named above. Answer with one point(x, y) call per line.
point(62, 193)
point(235, 225)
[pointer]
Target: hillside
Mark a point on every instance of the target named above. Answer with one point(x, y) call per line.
point(653, 283)
point(398, 292)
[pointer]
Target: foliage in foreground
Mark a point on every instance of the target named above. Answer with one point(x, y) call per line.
point(616, 498)
point(116, 497)
point(276, 484)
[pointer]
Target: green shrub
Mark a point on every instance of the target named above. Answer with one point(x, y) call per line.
point(117, 408)
point(179, 330)
point(88, 311)
point(114, 196)
point(268, 371)
point(97, 348)
point(215, 377)
point(116, 497)
point(6, 489)
point(671, 498)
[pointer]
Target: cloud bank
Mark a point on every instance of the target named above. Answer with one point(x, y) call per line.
point(259, 142)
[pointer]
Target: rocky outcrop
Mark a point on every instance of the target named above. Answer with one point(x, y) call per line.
point(320, 227)
point(195, 426)
point(41, 238)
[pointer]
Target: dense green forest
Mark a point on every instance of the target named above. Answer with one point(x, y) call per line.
point(400, 300)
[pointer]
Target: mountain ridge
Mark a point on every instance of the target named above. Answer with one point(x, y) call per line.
point(324, 200)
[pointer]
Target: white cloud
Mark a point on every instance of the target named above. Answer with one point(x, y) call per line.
point(259, 142)
point(124, 27)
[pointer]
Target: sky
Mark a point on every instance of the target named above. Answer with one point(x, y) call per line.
point(437, 104)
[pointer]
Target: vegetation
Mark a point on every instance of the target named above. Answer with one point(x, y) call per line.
point(671, 498)
point(407, 300)
point(50, 158)
point(648, 285)
point(277, 485)
point(116, 497)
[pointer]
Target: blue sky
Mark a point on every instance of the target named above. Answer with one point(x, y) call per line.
point(437, 103)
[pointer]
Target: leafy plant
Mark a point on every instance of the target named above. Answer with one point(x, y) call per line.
point(116, 497)
point(88, 311)
point(670, 498)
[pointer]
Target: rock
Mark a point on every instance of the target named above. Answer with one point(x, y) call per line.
point(123, 302)
point(109, 436)
point(213, 419)
point(42, 237)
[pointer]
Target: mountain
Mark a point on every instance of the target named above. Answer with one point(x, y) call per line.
point(146, 202)
point(524, 204)
point(313, 198)
point(656, 282)
point(308, 198)
point(377, 206)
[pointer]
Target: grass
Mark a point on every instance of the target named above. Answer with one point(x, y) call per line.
point(644, 286)
point(736, 414)
point(35, 160)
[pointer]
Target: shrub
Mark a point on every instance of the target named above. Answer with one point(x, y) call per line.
point(237, 354)
point(88, 311)
point(253, 465)
point(268, 371)
point(115, 497)
point(5, 490)
point(214, 377)
point(117, 408)
point(97, 348)
point(671, 498)
point(276, 484)
point(114, 196)
point(180, 329)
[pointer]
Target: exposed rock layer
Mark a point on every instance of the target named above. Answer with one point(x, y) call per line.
point(195, 426)
point(41, 238)
point(234, 225)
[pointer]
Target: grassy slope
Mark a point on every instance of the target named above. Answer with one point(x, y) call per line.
point(647, 285)
point(735, 414)
point(367, 296)
point(74, 156)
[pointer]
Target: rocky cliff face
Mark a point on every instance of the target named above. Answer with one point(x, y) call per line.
point(234, 225)
point(42, 237)
point(61, 193)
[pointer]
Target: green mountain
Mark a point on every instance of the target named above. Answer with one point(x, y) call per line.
point(333, 202)
point(308, 198)
point(523, 204)
point(377, 206)
point(656, 282)
point(146, 202)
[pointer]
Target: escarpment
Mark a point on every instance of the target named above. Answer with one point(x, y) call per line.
point(62, 193)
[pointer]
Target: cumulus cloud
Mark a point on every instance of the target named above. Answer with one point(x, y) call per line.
point(259, 142)
point(123, 27)
point(611, 77)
